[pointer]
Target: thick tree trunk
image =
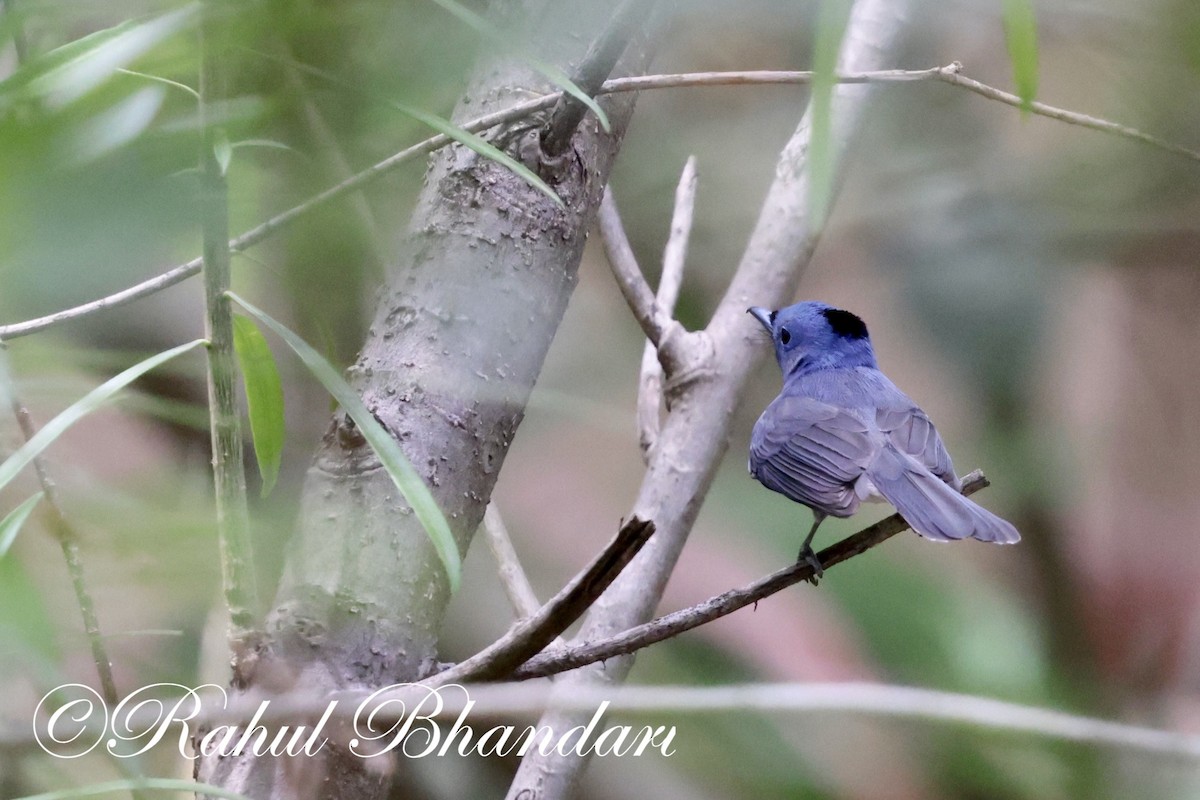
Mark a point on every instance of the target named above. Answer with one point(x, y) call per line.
point(457, 342)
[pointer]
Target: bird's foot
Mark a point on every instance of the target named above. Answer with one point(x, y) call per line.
point(809, 557)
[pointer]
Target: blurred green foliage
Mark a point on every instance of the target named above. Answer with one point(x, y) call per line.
point(963, 232)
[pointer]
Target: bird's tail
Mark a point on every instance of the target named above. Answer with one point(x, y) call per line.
point(932, 508)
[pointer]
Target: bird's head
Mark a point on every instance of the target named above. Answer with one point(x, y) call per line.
point(811, 336)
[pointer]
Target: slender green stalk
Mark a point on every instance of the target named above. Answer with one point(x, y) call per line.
point(233, 518)
point(67, 539)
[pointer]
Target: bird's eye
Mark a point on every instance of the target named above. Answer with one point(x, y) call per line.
point(784, 335)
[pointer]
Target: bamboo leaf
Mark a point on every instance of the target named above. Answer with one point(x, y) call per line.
point(442, 126)
point(264, 398)
point(222, 151)
point(10, 526)
point(162, 80)
point(483, 148)
point(89, 403)
point(116, 126)
point(268, 143)
point(552, 73)
point(79, 67)
point(398, 467)
point(1020, 34)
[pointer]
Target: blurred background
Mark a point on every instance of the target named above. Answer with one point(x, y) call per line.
point(1032, 285)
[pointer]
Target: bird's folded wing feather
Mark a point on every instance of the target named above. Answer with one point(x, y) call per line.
point(812, 452)
point(912, 432)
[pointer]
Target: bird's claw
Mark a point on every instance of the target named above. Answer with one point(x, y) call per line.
point(809, 557)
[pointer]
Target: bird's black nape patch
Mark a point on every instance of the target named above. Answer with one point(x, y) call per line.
point(845, 324)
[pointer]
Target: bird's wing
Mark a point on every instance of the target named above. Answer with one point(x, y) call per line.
point(912, 432)
point(813, 452)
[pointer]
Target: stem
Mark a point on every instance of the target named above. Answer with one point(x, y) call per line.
point(68, 540)
point(233, 518)
point(512, 575)
point(599, 62)
point(650, 387)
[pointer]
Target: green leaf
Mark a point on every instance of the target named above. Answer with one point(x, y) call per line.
point(81, 66)
point(552, 73)
point(89, 403)
point(831, 29)
point(406, 478)
point(264, 398)
point(162, 80)
point(442, 126)
point(1020, 34)
point(222, 150)
point(10, 526)
point(127, 785)
point(268, 143)
point(115, 126)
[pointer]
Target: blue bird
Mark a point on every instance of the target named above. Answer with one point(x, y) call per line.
point(840, 433)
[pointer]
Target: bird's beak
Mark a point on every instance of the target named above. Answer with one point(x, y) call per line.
point(762, 315)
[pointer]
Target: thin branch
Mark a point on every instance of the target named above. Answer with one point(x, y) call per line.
point(532, 634)
point(952, 76)
point(949, 74)
point(675, 623)
point(229, 476)
point(632, 282)
point(266, 229)
point(649, 402)
point(68, 540)
point(675, 252)
point(685, 80)
point(597, 65)
point(512, 575)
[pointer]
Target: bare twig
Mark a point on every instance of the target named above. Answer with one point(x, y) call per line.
point(952, 76)
point(597, 65)
point(68, 540)
point(949, 74)
point(649, 401)
point(655, 321)
point(512, 576)
point(536, 631)
point(675, 252)
point(233, 516)
point(675, 623)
